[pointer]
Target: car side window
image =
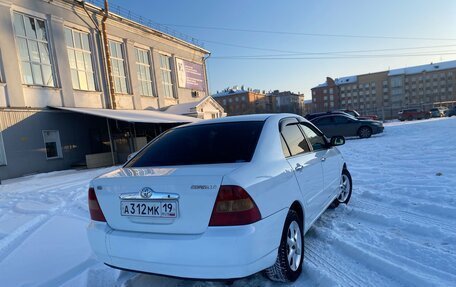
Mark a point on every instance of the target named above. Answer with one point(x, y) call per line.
point(317, 141)
point(325, 121)
point(294, 139)
point(286, 151)
point(341, 120)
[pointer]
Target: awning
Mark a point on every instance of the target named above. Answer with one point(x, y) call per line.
point(133, 116)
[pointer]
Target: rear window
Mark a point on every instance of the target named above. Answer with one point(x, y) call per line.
point(202, 144)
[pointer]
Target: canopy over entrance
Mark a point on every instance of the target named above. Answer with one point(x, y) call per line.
point(134, 116)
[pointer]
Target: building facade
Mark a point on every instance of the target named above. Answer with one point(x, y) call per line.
point(238, 101)
point(386, 93)
point(241, 101)
point(52, 55)
point(287, 102)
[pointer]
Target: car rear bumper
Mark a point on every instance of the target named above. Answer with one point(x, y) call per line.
point(219, 253)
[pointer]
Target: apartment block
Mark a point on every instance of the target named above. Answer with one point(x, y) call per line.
point(240, 101)
point(386, 93)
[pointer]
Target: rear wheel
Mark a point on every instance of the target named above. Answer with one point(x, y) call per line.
point(288, 265)
point(364, 132)
point(345, 190)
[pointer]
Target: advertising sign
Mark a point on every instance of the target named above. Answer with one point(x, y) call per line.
point(190, 75)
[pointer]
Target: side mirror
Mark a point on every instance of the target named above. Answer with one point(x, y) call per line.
point(130, 156)
point(337, 140)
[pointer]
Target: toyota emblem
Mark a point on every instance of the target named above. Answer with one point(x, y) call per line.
point(146, 192)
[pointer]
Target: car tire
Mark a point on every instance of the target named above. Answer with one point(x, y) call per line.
point(285, 270)
point(346, 190)
point(364, 132)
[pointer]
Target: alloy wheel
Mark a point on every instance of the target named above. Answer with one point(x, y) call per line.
point(344, 188)
point(294, 246)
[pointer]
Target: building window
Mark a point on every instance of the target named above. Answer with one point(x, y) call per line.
point(143, 69)
point(31, 37)
point(118, 67)
point(80, 57)
point(52, 144)
point(2, 151)
point(167, 80)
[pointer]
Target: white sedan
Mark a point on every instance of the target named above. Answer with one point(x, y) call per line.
point(219, 199)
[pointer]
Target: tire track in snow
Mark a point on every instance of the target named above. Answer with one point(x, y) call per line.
point(20, 235)
point(409, 216)
point(390, 267)
point(70, 274)
point(15, 238)
point(330, 264)
point(386, 229)
point(430, 272)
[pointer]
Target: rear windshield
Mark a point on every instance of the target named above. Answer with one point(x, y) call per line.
point(202, 144)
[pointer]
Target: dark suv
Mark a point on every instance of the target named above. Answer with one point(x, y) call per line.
point(413, 114)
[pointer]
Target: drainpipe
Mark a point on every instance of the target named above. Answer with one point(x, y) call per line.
point(205, 73)
point(110, 80)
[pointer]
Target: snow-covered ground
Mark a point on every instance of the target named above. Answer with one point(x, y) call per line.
point(399, 228)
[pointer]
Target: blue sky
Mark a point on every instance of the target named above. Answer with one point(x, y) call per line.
point(393, 18)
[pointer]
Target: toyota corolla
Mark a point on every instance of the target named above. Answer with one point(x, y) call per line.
point(219, 199)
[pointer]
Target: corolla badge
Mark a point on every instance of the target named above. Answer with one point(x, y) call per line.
point(146, 192)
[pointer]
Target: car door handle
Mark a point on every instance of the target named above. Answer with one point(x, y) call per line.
point(323, 158)
point(298, 167)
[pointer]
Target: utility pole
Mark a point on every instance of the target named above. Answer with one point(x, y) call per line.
point(110, 80)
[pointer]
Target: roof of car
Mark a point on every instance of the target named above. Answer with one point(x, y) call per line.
point(245, 118)
point(333, 115)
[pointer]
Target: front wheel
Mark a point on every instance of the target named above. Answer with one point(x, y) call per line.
point(345, 189)
point(288, 265)
point(364, 132)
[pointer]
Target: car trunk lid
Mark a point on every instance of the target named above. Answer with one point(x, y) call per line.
point(193, 189)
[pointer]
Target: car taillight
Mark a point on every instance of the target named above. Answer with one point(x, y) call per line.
point(234, 206)
point(94, 207)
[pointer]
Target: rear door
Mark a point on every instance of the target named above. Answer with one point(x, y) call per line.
point(307, 166)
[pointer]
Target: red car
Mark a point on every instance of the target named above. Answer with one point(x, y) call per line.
point(413, 114)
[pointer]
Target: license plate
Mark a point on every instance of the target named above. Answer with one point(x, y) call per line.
point(144, 208)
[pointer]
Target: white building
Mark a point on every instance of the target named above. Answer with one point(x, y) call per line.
point(54, 104)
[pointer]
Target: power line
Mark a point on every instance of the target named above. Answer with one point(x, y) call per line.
point(309, 34)
point(338, 52)
point(333, 57)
